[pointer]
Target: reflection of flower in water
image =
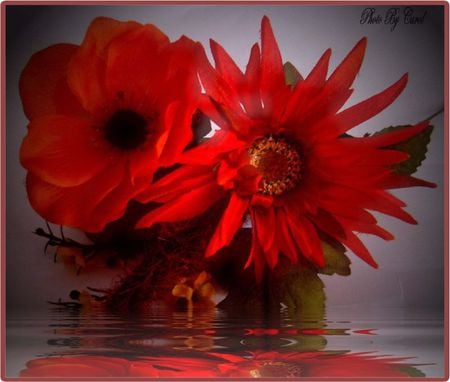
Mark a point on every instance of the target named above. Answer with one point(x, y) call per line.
point(313, 364)
point(258, 365)
point(97, 366)
point(197, 342)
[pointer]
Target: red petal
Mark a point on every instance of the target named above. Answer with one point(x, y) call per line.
point(263, 221)
point(356, 245)
point(226, 66)
point(135, 67)
point(74, 206)
point(347, 209)
point(345, 73)
point(388, 204)
point(250, 92)
point(184, 77)
point(372, 229)
point(175, 184)
point(307, 239)
point(230, 222)
point(43, 83)
point(396, 136)
point(328, 224)
point(61, 150)
point(223, 94)
point(114, 205)
point(316, 79)
point(284, 239)
point(178, 121)
point(209, 152)
point(87, 68)
point(403, 181)
point(256, 256)
point(208, 107)
point(185, 207)
point(306, 90)
point(365, 110)
point(336, 90)
point(272, 74)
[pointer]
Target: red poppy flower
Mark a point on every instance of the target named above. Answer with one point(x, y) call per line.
point(312, 364)
point(90, 366)
point(103, 117)
point(282, 156)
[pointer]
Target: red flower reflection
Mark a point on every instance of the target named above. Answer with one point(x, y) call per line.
point(282, 156)
point(98, 366)
point(103, 117)
point(258, 364)
point(312, 364)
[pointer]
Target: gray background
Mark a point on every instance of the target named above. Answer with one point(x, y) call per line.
point(411, 267)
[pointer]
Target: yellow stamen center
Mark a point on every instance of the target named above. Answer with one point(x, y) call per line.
point(279, 163)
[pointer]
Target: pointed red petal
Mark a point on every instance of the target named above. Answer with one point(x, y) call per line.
point(356, 246)
point(318, 74)
point(272, 74)
point(306, 238)
point(222, 93)
point(336, 90)
point(250, 93)
point(230, 222)
point(185, 207)
point(345, 73)
point(403, 181)
point(365, 110)
point(256, 256)
point(263, 223)
point(284, 238)
point(396, 136)
point(226, 66)
point(163, 194)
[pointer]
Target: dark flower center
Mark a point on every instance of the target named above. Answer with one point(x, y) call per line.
point(277, 369)
point(279, 163)
point(126, 130)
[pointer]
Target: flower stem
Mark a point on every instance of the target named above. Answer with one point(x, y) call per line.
point(441, 110)
point(54, 240)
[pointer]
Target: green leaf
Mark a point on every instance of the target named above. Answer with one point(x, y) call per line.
point(301, 290)
point(335, 260)
point(291, 74)
point(409, 370)
point(415, 146)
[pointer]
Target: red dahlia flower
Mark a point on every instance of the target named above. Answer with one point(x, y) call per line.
point(282, 156)
point(103, 117)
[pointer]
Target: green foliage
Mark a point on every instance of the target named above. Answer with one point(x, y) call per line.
point(291, 74)
point(415, 146)
point(409, 370)
point(301, 290)
point(336, 262)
